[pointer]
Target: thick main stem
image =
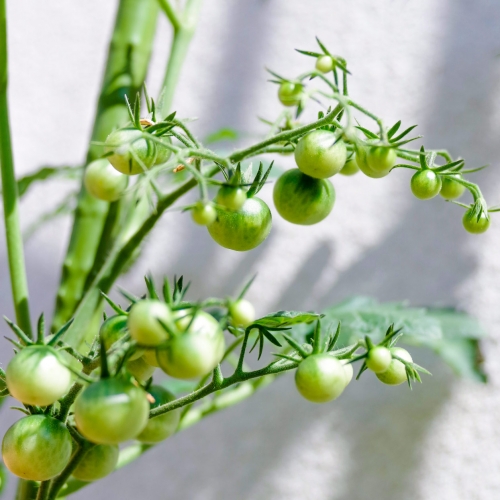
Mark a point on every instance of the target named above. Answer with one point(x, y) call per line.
point(126, 68)
point(13, 236)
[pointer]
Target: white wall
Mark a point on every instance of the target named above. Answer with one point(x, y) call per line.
point(424, 61)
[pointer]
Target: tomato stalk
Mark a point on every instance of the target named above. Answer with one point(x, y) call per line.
point(13, 235)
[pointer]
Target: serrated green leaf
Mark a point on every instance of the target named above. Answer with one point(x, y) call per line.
point(393, 129)
point(403, 134)
point(368, 133)
point(286, 318)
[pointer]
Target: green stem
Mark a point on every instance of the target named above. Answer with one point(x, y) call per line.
point(13, 235)
point(126, 68)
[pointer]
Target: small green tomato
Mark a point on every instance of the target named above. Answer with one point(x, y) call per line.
point(242, 312)
point(474, 224)
point(203, 213)
point(350, 167)
point(375, 161)
point(348, 371)
point(325, 64)
point(378, 359)
point(396, 373)
point(232, 198)
point(150, 357)
point(98, 462)
point(425, 184)
point(320, 378)
point(140, 369)
point(290, 93)
point(103, 181)
point(320, 154)
point(144, 322)
point(451, 189)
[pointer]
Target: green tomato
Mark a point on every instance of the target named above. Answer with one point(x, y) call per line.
point(194, 352)
point(473, 224)
point(396, 373)
point(150, 357)
point(320, 154)
point(37, 447)
point(242, 313)
point(320, 378)
point(37, 376)
point(132, 153)
point(162, 152)
point(232, 198)
point(98, 462)
point(451, 189)
point(348, 371)
point(425, 184)
point(300, 199)
point(325, 64)
point(144, 322)
point(243, 229)
point(375, 161)
point(290, 93)
point(378, 359)
point(104, 182)
point(140, 369)
point(203, 213)
point(351, 167)
point(111, 411)
point(162, 426)
point(113, 329)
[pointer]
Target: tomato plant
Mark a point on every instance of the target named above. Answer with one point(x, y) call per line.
point(104, 182)
point(97, 462)
point(396, 373)
point(450, 188)
point(241, 312)
point(232, 198)
point(290, 93)
point(203, 213)
point(425, 184)
point(147, 322)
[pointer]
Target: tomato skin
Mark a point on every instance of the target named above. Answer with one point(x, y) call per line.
point(122, 142)
point(242, 313)
point(324, 64)
point(233, 198)
point(396, 373)
point(103, 181)
point(378, 359)
point(194, 352)
point(375, 161)
point(300, 199)
point(290, 93)
point(163, 426)
point(350, 168)
point(37, 447)
point(113, 329)
point(473, 225)
point(348, 371)
point(140, 369)
point(143, 322)
point(320, 154)
point(37, 376)
point(98, 462)
point(320, 378)
point(243, 229)
point(111, 411)
point(203, 213)
point(450, 189)
point(150, 357)
point(425, 184)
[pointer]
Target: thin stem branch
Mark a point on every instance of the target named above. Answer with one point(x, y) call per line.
point(171, 13)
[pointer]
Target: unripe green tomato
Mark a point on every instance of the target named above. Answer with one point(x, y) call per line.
point(475, 225)
point(425, 184)
point(37, 447)
point(98, 462)
point(37, 376)
point(140, 369)
point(131, 152)
point(348, 371)
point(450, 189)
point(162, 153)
point(324, 64)
point(290, 93)
point(361, 158)
point(320, 154)
point(103, 181)
point(396, 373)
point(203, 213)
point(300, 199)
point(113, 329)
point(242, 313)
point(232, 198)
point(381, 158)
point(350, 167)
point(194, 352)
point(243, 229)
point(150, 357)
point(320, 378)
point(378, 359)
point(111, 411)
point(162, 426)
point(144, 322)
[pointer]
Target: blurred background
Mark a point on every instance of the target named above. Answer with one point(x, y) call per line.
point(422, 61)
